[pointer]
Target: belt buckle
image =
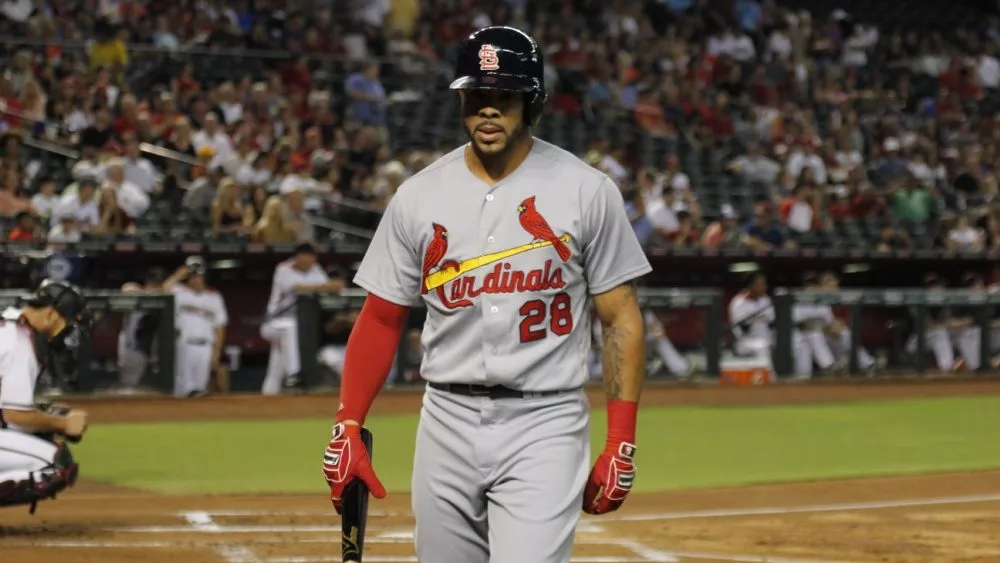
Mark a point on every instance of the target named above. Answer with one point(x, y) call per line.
point(478, 391)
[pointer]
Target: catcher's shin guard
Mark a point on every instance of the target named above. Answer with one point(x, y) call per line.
point(41, 485)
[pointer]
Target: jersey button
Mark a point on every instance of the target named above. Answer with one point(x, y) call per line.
point(490, 239)
point(489, 197)
point(494, 309)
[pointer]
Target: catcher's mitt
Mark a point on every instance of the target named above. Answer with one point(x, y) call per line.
point(56, 409)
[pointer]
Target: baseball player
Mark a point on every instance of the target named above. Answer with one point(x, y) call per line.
point(751, 313)
point(136, 337)
point(665, 352)
point(201, 318)
point(298, 274)
point(963, 328)
point(838, 334)
point(35, 466)
point(507, 240)
point(809, 342)
point(936, 332)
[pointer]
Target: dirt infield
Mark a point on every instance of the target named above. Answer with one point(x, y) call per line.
point(922, 518)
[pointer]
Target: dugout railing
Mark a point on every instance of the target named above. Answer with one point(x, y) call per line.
point(311, 307)
point(981, 303)
point(100, 303)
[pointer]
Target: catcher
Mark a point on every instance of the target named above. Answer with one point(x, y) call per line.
point(35, 462)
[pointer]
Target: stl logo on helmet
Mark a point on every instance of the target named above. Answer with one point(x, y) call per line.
point(488, 59)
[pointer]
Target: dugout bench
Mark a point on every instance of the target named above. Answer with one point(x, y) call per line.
point(983, 304)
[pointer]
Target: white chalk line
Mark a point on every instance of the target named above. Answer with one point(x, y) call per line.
point(680, 515)
point(237, 554)
point(774, 510)
point(413, 558)
point(203, 522)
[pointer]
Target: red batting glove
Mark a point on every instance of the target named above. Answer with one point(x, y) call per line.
point(614, 472)
point(346, 459)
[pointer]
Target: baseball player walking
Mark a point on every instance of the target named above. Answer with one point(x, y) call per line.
point(201, 319)
point(506, 239)
point(33, 466)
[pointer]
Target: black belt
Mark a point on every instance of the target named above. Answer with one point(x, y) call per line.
point(197, 341)
point(493, 391)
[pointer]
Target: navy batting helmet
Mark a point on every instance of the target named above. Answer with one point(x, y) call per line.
point(503, 58)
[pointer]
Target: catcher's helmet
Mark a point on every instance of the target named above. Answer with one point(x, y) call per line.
point(67, 300)
point(503, 58)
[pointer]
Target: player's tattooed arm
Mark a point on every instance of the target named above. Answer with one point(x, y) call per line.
point(623, 342)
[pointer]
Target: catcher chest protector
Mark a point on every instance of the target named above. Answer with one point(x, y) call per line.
point(503, 58)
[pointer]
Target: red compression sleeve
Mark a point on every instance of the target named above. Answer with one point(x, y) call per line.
point(371, 349)
point(621, 424)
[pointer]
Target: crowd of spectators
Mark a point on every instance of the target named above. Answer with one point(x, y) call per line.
point(831, 119)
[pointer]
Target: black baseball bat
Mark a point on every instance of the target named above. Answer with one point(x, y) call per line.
point(354, 515)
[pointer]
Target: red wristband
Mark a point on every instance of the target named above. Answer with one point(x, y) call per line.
point(621, 424)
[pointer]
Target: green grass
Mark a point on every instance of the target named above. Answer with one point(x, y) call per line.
point(679, 448)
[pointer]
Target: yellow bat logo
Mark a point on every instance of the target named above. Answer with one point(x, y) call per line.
point(444, 276)
point(349, 546)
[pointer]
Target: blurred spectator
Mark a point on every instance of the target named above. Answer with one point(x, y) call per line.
point(79, 201)
point(26, 229)
point(114, 219)
point(807, 158)
point(891, 167)
point(797, 211)
point(253, 210)
point(130, 198)
point(367, 96)
point(635, 207)
point(764, 232)
point(687, 235)
point(65, 229)
point(11, 200)
point(755, 166)
point(212, 136)
point(724, 233)
point(272, 228)
point(964, 236)
point(45, 200)
point(650, 117)
point(910, 201)
point(293, 204)
point(108, 50)
point(889, 239)
point(201, 192)
point(138, 169)
point(228, 215)
point(98, 134)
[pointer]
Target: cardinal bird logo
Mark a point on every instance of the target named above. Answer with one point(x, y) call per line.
point(435, 252)
point(533, 222)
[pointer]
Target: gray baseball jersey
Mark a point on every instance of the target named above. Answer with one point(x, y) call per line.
point(505, 271)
